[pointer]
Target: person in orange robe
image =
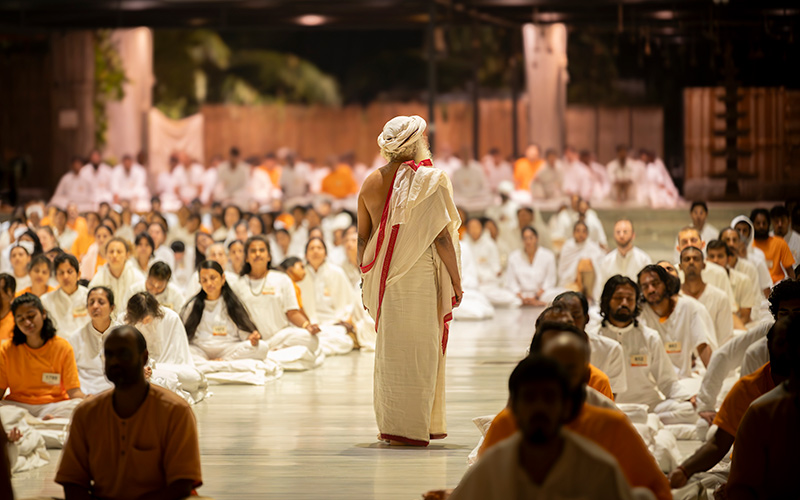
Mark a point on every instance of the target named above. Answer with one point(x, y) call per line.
point(780, 261)
point(340, 183)
point(610, 429)
point(85, 236)
point(526, 167)
point(7, 286)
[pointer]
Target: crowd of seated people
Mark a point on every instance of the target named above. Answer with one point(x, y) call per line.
point(240, 271)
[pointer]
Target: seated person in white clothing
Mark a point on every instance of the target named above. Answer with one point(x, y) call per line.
point(531, 272)
point(67, 304)
point(20, 258)
point(543, 459)
point(714, 299)
point(578, 260)
point(87, 341)
point(681, 322)
point(651, 378)
point(158, 231)
point(606, 355)
point(712, 273)
point(168, 346)
point(158, 284)
point(217, 323)
point(745, 292)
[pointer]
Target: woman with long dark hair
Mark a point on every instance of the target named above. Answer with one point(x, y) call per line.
point(270, 298)
point(87, 341)
point(217, 323)
point(37, 365)
point(143, 251)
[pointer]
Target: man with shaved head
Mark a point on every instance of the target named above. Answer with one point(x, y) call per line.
point(715, 301)
point(104, 457)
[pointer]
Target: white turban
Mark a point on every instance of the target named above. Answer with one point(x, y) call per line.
point(399, 133)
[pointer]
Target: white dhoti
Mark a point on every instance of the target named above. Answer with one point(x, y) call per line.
point(408, 292)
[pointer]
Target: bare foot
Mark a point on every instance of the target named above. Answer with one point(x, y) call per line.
point(48, 417)
point(15, 435)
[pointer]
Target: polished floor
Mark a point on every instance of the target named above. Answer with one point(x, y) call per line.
point(312, 435)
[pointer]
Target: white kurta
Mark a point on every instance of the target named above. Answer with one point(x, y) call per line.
point(498, 475)
point(99, 182)
point(548, 182)
point(571, 254)
point(630, 170)
point(66, 238)
point(89, 262)
point(526, 277)
point(647, 366)
point(164, 254)
point(232, 182)
point(487, 258)
point(615, 263)
point(87, 345)
point(607, 356)
point(718, 307)
point(471, 190)
point(73, 189)
point(681, 334)
point(328, 299)
point(793, 240)
point(119, 286)
point(268, 300)
point(131, 185)
point(509, 237)
point(497, 172)
point(168, 185)
point(474, 305)
point(661, 190)
point(723, 362)
point(67, 311)
point(170, 298)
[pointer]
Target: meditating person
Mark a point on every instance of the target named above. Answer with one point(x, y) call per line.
point(681, 322)
point(578, 260)
point(606, 354)
point(625, 175)
point(699, 214)
point(96, 253)
point(328, 300)
point(408, 246)
point(7, 286)
point(768, 437)
point(626, 259)
point(40, 270)
point(531, 271)
point(215, 252)
point(217, 323)
point(87, 341)
point(544, 457)
point(715, 300)
point(487, 267)
point(162, 251)
point(776, 251)
point(135, 441)
point(172, 363)
point(67, 303)
point(118, 273)
point(595, 419)
point(72, 189)
point(745, 289)
point(757, 272)
point(651, 376)
point(143, 249)
point(158, 283)
point(20, 259)
point(271, 301)
point(37, 366)
point(236, 256)
point(742, 394)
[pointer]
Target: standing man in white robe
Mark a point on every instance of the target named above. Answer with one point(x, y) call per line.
point(409, 248)
point(129, 182)
point(97, 175)
point(67, 303)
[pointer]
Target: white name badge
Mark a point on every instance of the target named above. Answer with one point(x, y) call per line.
point(639, 360)
point(79, 312)
point(268, 290)
point(219, 330)
point(672, 347)
point(51, 378)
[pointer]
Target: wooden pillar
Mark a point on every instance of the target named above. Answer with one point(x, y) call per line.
point(72, 56)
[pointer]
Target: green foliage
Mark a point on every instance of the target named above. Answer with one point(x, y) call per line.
point(109, 81)
point(195, 67)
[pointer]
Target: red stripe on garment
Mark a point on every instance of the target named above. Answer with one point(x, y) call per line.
point(387, 261)
point(415, 166)
point(446, 334)
point(382, 227)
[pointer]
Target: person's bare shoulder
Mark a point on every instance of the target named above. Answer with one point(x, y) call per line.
point(371, 185)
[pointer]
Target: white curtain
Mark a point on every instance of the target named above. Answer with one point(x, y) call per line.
point(165, 136)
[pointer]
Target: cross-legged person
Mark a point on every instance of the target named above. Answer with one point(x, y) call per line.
point(713, 299)
point(135, 441)
point(531, 272)
point(87, 341)
point(118, 273)
point(67, 304)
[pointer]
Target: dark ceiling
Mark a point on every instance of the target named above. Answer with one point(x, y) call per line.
point(676, 19)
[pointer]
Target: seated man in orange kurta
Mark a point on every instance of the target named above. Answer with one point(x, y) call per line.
point(742, 394)
point(7, 286)
point(135, 441)
point(610, 429)
point(340, 183)
point(526, 167)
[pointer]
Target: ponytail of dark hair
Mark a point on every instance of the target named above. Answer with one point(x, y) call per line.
point(236, 309)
